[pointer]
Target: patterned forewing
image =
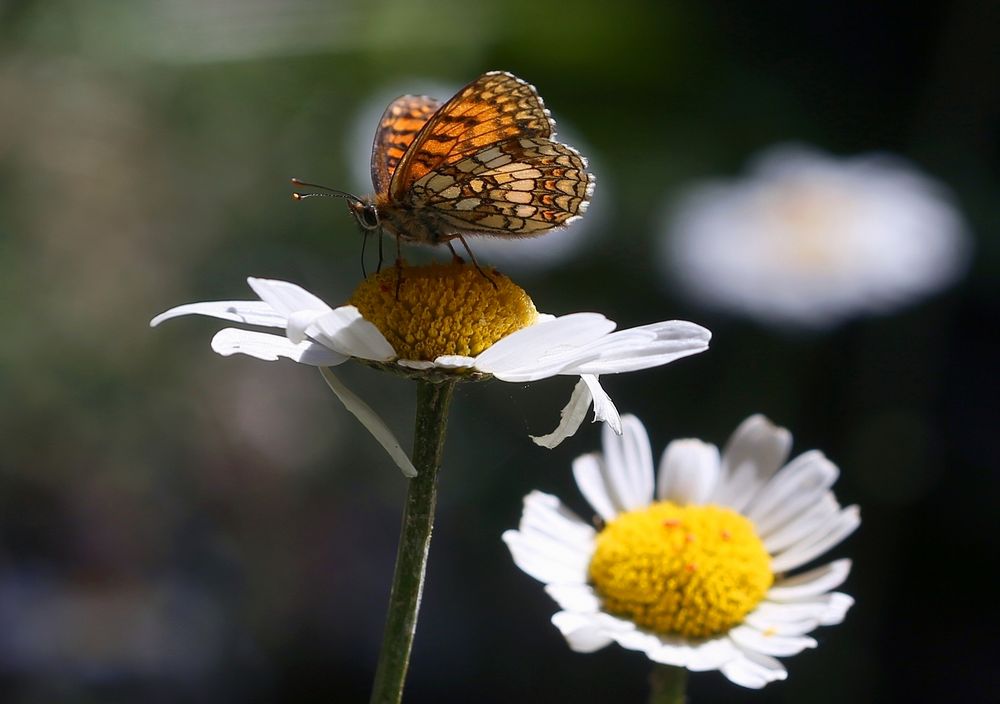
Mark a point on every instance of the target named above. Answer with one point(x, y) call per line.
point(495, 107)
point(400, 124)
point(519, 187)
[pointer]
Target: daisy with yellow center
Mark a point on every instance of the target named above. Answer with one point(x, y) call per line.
point(445, 323)
point(690, 567)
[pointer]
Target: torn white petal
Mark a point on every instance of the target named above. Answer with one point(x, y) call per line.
point(588, 390)
point(604, 409)
point(570, 417)
point(270, 348)
point(372, 422)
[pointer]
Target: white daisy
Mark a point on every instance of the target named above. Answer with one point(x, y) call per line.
point(692, 569)
point(810, 240)
point(446, 321)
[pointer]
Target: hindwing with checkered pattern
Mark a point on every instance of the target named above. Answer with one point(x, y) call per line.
point(519, 187)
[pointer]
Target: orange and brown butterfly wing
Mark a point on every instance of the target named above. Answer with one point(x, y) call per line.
point(493, 108)
point(522, 186)
point(399, 126)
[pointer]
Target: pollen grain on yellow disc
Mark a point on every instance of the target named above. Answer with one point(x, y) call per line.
point(694, 571)
point(443, 309)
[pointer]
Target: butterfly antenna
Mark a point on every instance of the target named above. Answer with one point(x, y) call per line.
point(330, 192)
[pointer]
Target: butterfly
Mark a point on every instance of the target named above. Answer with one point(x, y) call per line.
point(483, 163)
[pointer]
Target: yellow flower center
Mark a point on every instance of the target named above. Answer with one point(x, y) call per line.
point(694, 571)
point(442, 309)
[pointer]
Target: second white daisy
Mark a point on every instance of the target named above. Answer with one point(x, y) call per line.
point(690, 567)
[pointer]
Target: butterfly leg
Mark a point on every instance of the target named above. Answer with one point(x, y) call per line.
point(364, 243)
point(454, 255)
point(380, 251)
point(474, 262)
point(399, 267)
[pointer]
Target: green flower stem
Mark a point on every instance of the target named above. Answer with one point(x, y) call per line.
point(433, 400)
point(667, 684)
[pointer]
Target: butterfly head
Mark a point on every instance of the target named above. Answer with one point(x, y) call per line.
point(365, 213)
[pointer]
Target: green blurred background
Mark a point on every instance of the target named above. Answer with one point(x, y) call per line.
point(179, 527)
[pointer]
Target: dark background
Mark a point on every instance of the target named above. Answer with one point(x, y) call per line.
point(180, 527)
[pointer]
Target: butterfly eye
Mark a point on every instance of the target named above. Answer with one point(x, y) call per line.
point(365, 213)
point(368, 217)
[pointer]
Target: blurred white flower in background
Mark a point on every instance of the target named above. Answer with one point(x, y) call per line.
point(809, 240)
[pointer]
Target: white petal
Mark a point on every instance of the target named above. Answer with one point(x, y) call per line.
point(826, 609)
point(789, 627)
point(372, 422)
point(588, 471)
point(570, 418)
point(667, 650)
point(711, 654)
point(581, 632)
point(847, 522)
point(837, 608)
point(812, 583)
point(454, 361)
point(634, 638)
point(798, 528)
point(752, 455)
point(604, 409)
point(623, 352)
point(628, 464)
point(753, 670)
point(808, 475)
point(270, 347)
point(579, 598)
point(345, 330)
point(689, 470)
point(548, 561)
point(249, 312)
point(612, 345)
point(420, 364)
point(588, 390)
point(299, 322)
point(695, 655)
point(286, 298)
point(545, 515)
point(770, 643)
point(737, 487)
point(538, 351)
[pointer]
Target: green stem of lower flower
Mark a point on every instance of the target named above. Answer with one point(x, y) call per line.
point(667, 684)
point(433, 400)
